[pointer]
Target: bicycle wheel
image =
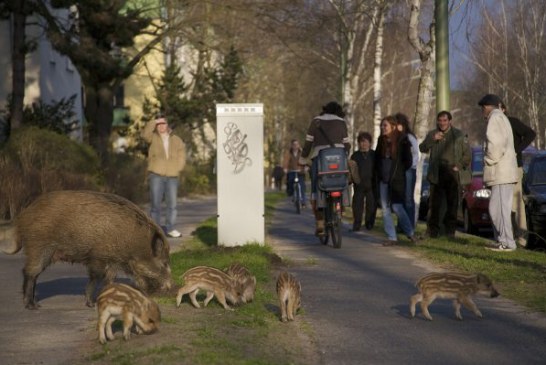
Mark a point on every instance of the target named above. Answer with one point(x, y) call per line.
point(297, 197)
point(335, 228)
point(325, 236)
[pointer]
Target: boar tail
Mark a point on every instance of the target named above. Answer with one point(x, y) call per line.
point(9, 242)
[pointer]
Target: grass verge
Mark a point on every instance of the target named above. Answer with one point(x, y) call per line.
point(251, 334)
point(519, 275)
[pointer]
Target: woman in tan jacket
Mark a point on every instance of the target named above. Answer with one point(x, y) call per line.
point(166, 159)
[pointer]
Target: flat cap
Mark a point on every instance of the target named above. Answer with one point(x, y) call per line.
point(490, 99)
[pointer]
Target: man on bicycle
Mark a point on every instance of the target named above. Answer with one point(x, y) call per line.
point(293, 169)
point(327, 129)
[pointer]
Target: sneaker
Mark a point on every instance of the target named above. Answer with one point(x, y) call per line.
point(389, 243)
point(174, 233)
point(500, 248)
point(413, 239)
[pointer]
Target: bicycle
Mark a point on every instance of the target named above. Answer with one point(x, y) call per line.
point(333, 179)
point(333, 213)
point(298, 198)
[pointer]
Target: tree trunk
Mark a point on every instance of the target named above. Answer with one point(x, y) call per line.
point(99, 107)
point(426, 83)
point(18, 65)
point(377, 74)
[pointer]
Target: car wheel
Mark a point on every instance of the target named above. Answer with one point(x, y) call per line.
point(468, 227)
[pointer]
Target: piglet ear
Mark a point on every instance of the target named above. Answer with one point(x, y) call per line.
point(160, 246)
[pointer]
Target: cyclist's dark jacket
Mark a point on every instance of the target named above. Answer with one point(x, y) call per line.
point(333, 126)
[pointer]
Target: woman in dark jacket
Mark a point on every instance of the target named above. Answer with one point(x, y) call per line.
point(393, 158)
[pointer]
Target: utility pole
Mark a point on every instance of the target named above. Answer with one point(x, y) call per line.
point(442, 55)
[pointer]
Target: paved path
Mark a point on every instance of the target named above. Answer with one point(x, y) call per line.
point(356, 300)
point(60, 329)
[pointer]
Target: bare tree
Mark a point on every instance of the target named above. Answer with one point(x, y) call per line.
point(377, 72)
point(426, 51)
point(507, 51)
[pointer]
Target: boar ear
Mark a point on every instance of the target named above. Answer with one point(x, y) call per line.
point(159, 245)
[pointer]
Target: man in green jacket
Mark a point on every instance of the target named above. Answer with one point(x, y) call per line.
point(166, 159)
point(449, 170)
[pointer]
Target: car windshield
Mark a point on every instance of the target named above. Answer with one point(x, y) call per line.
point(477, 163)
point(539, 172)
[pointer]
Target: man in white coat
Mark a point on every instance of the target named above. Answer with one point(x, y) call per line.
point(500, 171)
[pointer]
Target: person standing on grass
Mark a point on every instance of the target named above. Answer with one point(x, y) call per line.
point(411, 173)
point(448, 172)
point(166, 160)
point(393, 158)
point(523, 136)
point(365, 191)
point(499, 171)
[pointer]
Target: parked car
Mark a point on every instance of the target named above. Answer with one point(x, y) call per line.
point(474, 204)
point(534, 195)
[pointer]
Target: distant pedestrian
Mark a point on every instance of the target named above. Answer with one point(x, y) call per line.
point(393, 158)
point(293, 169)
point(411, 173)
point(365, 191)
point(523, 136)
point(448, 172)
point(278, 175)
point(499, 172)
point(166, 160)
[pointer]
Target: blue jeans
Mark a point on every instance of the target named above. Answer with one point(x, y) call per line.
point(163, 187)
point(398, 209)
point(409, 204)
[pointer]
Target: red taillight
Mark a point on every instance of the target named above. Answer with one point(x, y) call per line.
point(333, 166)
point(335, 194)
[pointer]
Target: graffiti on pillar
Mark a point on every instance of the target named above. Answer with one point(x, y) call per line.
point(236, 147)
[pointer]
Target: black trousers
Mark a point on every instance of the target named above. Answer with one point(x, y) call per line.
point(445, 192)
point(362, 194)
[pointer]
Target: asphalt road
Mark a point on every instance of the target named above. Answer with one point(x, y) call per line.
point(356, 300)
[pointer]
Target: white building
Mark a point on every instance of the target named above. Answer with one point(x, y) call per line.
point(49, 75)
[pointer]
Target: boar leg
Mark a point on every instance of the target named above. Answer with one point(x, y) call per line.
point(221, 298)
point(128, 321)
point(457, 305)
point(30, 274)
point(103, 328)
point(424, 306)
point(209, 297)
point(467, 302)
point(413, 301)
point(283, 310)
point(291, 310)
point(97, 272)
point(109, 333)
point(192, 289)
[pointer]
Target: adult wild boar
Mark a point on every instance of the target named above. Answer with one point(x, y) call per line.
point(105, 232)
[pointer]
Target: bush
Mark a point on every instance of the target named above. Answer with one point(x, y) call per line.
point(35, 161)
point(198, 179)
point(125, 175)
